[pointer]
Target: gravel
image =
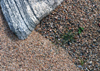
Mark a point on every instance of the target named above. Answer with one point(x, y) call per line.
point(62, 28)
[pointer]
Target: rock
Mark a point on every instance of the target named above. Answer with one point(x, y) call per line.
point(90, 62)
point(23, 15)
point(79, 66)
point(94, 40)
point(69, 43)
point(98, 31)
point(99, 24)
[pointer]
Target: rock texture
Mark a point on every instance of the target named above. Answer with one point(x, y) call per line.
point(23, 15)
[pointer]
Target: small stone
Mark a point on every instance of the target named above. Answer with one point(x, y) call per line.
point(51, 25)
point(70, 28)
point(69, 43)
point(98, 39)
point(99, 24)
point(75, 37)
point(90, 62)
point(66, 18)
point(98, 19)
point(79, 66)
point(98, 31)
point(63, 47)
point(94, 40)
point(56, 17)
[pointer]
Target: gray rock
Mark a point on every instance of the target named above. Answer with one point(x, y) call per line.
point(79, 66)
point(23, 15)
point(94, 40)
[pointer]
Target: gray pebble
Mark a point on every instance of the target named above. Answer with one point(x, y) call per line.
point(94, 40)
point(79, 66)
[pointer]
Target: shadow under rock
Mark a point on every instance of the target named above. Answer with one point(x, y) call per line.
point(7, 30)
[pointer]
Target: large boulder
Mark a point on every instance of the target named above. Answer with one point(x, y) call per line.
point(23, 15)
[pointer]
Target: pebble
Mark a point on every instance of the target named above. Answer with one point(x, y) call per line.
point(98, 31)
point(90, 62)
point(79, 66)
point(99, 24)
point(69, 43)
point(94, 40)
point(98, 19)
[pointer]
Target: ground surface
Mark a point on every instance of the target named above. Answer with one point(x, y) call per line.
point(64, 28)
point(36, 53)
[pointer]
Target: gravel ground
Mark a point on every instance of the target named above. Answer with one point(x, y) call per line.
point(64, 27)
point(36, 53)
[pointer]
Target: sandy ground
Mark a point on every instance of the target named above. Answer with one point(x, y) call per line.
point(36, 53)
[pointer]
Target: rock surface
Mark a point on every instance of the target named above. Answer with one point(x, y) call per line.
point(23, 15)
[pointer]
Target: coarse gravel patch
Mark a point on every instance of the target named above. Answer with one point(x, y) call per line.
point(75, 26)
